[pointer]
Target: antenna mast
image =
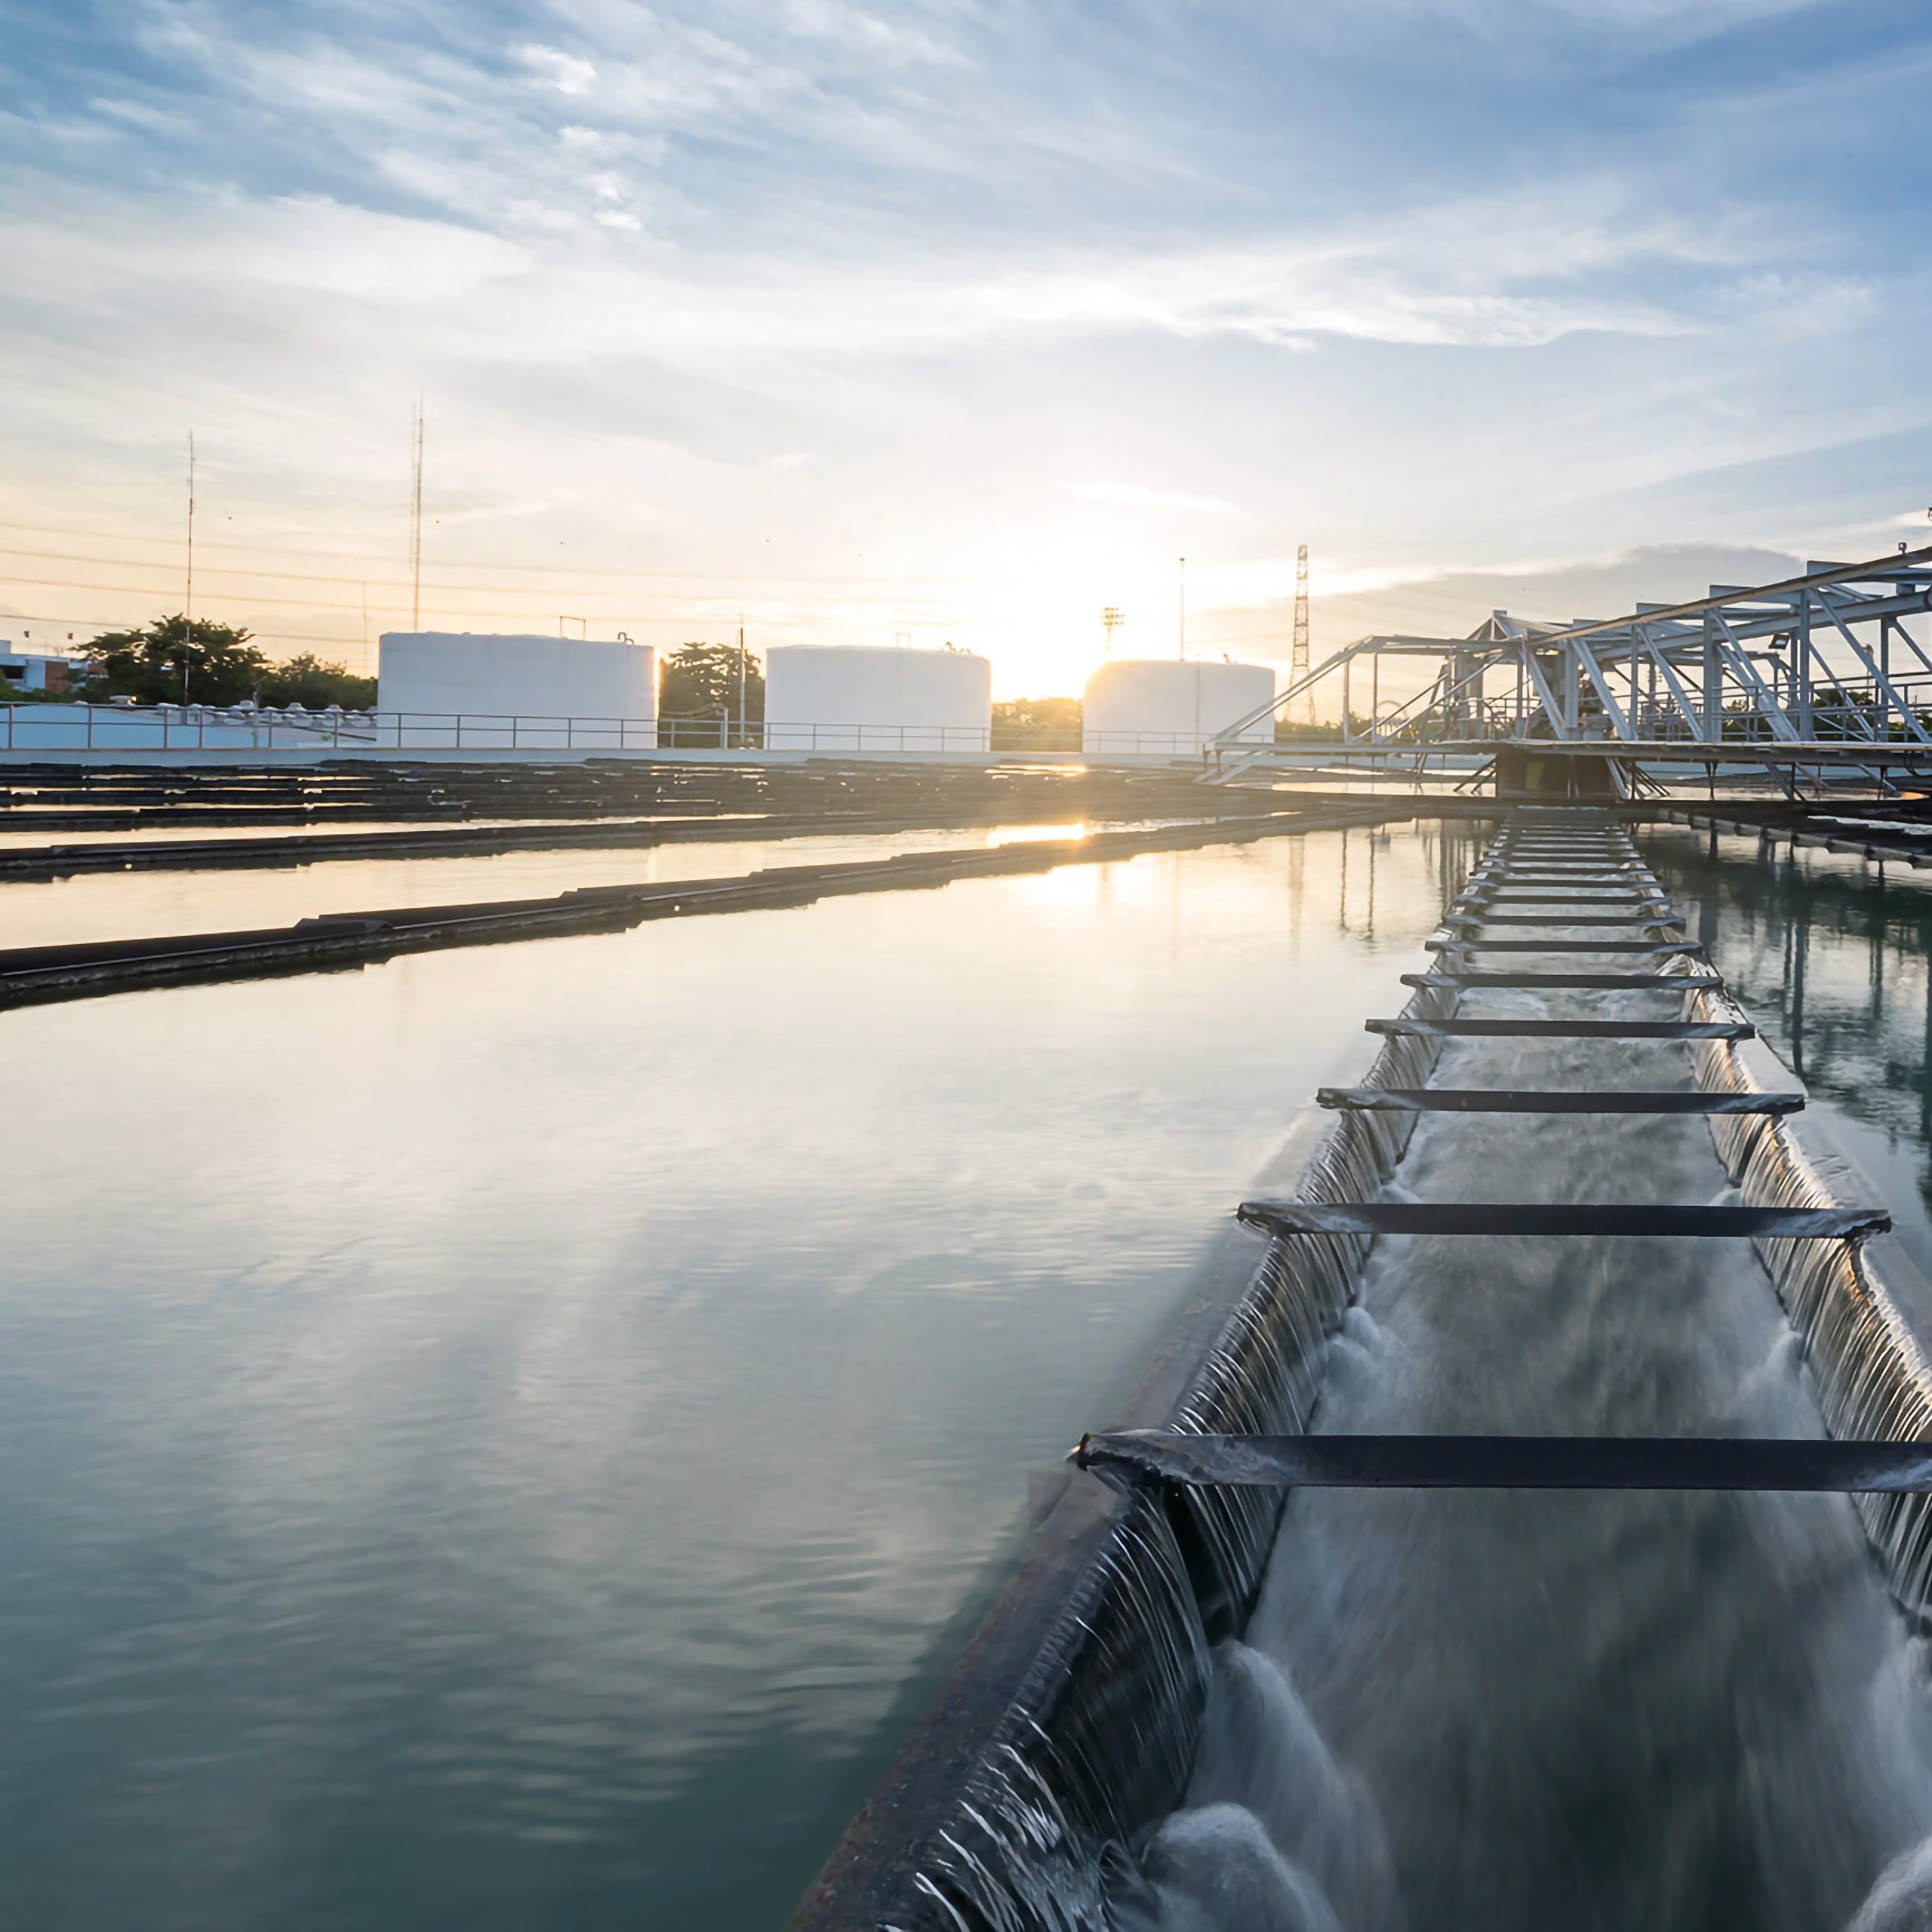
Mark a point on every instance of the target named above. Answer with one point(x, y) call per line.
point(1183, 610)
point(188, 609)
point(1298, 661)
point(416, 521)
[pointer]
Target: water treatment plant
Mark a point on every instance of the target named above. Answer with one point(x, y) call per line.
point(1332, 1334)
point(965, 968)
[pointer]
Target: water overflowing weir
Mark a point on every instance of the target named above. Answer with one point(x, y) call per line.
point(1223, 1708)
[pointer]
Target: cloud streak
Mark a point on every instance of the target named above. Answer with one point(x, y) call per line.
point(1532, 280)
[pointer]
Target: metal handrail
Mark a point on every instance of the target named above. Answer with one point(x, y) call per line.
point(183, 727)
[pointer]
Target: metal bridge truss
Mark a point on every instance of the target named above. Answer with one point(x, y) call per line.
point(1821, 667)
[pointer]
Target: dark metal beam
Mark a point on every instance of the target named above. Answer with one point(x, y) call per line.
point(1564, 1029)
point(1541, 1218)
point(1506, 1100)
point(1482, 918)
point(1511, 1462)
point(1688, 948)
point(1645, 983)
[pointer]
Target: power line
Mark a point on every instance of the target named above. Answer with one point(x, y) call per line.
point(345, 640)
point(27, 618)
point(578, 571)
point(607, 609)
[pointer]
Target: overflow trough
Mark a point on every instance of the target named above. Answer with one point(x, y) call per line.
point(1067, 1732)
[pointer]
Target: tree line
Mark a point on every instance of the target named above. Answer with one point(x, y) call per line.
point(171, 661)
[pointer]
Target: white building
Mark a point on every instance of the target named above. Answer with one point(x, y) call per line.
point(1165, 705)
point(449, 673)
point(858, 697)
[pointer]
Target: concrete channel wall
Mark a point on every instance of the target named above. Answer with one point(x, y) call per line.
point(1069, 1725)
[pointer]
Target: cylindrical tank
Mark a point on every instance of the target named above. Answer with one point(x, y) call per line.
point(445, 673)
point(1155, 706)
point(859, 697)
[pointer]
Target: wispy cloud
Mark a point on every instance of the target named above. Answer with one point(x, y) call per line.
point(1522, 266)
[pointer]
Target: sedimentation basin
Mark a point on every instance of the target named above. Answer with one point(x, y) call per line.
point(518, 1434)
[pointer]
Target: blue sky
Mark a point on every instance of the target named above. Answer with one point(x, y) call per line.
point(957, 319)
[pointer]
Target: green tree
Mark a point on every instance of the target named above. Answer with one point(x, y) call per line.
point(1037, 724)
point(701, 681)
point(307, 680)
point(173, 661)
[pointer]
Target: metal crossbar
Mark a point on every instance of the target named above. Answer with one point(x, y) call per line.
point(1564, 1029)
point(1510, 1462)
point(1503, 1100)
point(1662, 983)
point(1502, 1217)
point(1485, 919)
point(1467, 944)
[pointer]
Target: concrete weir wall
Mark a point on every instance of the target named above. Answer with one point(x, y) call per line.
point(1069, 1726)
point(1863, 1312)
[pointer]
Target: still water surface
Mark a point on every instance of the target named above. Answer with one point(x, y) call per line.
point(509, 1438)
point(109, 906)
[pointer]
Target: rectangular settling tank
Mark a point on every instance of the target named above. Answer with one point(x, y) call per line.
point(857, 697)
point(1157, 706)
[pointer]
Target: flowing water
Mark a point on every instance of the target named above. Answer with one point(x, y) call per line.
point(1455, 1710)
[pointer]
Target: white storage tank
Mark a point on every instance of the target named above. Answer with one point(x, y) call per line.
point(442, 673)
point(1162, 705)
point(859, 697)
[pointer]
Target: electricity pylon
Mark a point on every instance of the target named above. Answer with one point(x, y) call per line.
point(1298, 661)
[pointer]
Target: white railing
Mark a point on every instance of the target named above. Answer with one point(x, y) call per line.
point(192, 727)
point(187, 727)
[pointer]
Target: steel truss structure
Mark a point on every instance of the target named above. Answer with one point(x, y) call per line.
point(1820, 668)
